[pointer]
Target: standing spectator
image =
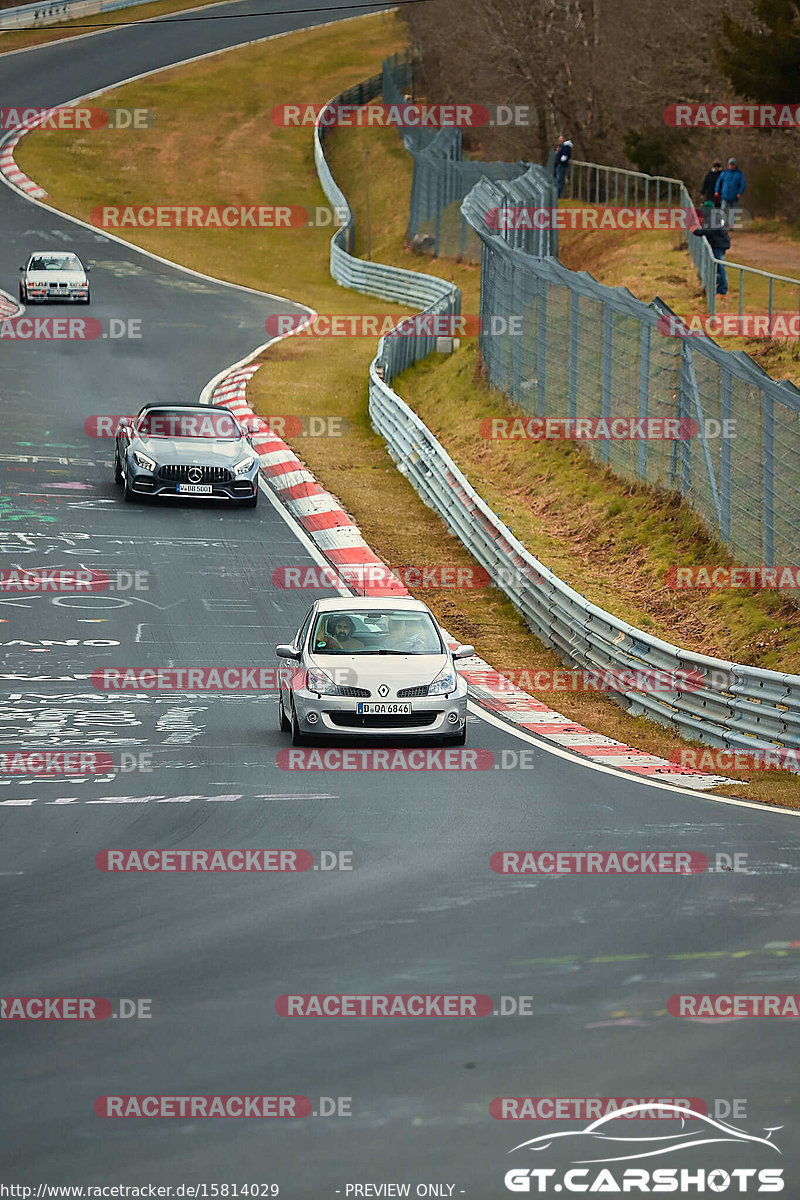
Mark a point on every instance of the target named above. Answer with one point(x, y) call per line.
point(730, 186)
point(709, 189)
point(561, 162)
point(714, 231)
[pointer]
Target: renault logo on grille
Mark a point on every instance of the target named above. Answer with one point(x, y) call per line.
point(195, 474)
point(383, 690)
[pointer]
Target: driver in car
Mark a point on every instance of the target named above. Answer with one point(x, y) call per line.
point(340, 634)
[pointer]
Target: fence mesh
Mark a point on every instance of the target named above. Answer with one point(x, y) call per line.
point(442, 177)
point(589, 351)
point(586, 350)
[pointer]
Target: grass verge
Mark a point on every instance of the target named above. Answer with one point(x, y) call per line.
point(657, 263)
point(559, 502)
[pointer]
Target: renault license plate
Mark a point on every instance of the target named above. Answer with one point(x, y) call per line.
point(385, 709)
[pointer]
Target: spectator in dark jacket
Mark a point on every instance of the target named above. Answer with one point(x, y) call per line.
point(730, 187)
point(716, 234)
point(561, 162)
point(709, 188)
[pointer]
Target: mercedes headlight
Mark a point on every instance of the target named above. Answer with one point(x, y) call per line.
point(319, 682)
point(444, 682)
point(244, 466)
point(143, 461)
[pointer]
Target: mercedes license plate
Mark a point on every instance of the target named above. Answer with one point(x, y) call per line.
point(202, 489)
point(383, 709)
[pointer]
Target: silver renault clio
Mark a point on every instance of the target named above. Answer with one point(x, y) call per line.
point(372, 667)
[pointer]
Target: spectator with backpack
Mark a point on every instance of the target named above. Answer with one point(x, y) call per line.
point(715, 232)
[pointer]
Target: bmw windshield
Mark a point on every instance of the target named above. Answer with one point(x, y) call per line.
point(55, 262)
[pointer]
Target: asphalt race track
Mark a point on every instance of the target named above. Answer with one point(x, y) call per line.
point(420, 912)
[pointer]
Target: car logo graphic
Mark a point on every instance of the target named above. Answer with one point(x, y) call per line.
point(383, 690)
point(643, 1147)
point(194, 474)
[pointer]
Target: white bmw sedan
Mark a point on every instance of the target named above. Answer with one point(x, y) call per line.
point(54, 275)
point(371, 667)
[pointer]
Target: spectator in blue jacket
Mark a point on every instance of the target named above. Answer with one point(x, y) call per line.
point(730, 187)
point(561, 162)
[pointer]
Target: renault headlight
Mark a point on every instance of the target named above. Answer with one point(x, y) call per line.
point(244, 466)
point(319, 682)
point(143, 461)
point(444, 682)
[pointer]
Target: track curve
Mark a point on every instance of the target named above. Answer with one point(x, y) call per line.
point(422, 911)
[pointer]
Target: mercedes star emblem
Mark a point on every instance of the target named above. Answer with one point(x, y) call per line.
point(195, 474)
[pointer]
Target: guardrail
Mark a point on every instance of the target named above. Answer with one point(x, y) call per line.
point(731, 705)
point(33, 16)
point(429, 293)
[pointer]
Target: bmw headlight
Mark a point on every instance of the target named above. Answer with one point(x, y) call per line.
point(444, 682)
point(141, 460)
point(244, 466)
point(319, 682)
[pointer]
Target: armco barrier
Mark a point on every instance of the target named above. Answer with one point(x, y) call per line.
point(413, 288)
point(737, 706)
